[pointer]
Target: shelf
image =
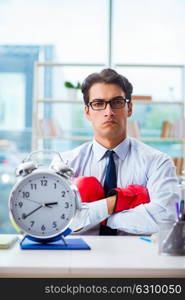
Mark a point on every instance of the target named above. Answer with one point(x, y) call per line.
point(67, 64)
point(157, 102)
point(50, 100)
point(158, 139)
point(86, 138)
point(40, 105)
point(53, 100)
point(65, 137)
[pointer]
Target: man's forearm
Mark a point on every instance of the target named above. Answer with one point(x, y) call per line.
point(111, 202)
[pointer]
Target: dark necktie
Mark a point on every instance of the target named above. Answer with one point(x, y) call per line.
point(109, 183)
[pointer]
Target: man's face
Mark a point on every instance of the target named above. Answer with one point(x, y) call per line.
point(108, 123)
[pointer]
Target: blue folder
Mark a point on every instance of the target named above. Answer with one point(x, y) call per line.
point(70, 244)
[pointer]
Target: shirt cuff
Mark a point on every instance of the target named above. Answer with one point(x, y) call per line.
point(90, 215)
point(98, 211)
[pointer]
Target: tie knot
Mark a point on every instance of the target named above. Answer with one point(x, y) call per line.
point(110, 153)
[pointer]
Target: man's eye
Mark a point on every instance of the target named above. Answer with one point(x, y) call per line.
point(97, 104)
point(118, 101)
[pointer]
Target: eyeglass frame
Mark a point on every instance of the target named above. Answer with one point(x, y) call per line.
point(108, 102)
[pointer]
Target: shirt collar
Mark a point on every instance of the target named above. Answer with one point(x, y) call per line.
point(121, 149)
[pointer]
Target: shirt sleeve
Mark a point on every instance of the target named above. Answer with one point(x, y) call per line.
point(89, 215)
point(162, 185)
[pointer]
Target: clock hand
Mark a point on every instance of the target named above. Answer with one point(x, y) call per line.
point(31, 212)
point(50, 203)
point(47, 204)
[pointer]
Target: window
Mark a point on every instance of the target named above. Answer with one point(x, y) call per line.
point(149, 32)
point(69, 31)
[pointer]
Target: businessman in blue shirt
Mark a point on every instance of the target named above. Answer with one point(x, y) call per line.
point(152, 174)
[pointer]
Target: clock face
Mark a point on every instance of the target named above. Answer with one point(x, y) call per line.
point(42, 204)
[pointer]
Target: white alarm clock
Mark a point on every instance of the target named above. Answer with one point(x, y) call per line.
point(44, 201)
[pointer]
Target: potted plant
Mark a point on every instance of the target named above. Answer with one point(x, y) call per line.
point(72, 89)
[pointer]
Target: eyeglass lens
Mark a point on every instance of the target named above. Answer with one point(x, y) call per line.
point(101, 104)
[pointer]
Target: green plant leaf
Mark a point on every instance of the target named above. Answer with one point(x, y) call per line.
point(78, 86)
point(69, 85)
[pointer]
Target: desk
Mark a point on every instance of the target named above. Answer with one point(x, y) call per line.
point(110, 256)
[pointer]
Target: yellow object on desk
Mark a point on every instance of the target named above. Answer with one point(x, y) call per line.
point(7, 240)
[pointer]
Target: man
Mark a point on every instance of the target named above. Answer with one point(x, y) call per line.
point(140, 169)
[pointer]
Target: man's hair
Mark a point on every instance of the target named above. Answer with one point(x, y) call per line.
point(107, 76)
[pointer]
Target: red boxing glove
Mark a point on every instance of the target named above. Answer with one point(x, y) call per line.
point(129, 197)
point(90, 188)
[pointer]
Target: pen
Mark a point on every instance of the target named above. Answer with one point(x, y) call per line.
point(181, 210)
point(177, 210)
point(145, 239)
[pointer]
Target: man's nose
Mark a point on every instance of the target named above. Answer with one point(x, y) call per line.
point(109, 110)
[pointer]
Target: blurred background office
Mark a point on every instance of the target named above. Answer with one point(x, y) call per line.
point(47, 48)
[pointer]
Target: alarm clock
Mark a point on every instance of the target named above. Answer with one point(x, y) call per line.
point(44, 201)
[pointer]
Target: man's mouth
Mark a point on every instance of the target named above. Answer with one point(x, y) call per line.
point(109, 122)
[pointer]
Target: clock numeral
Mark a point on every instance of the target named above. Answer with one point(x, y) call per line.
point(43, 228)
point(32, 223)
point(54, 224)
point(25, 194)
point(33, 186)
point(63, 216)
point(44, 182)
point(66, 205)
point(20, 204)
point(55, 185)
point(63, 193)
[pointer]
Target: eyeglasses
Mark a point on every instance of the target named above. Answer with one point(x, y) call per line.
point(116, 103)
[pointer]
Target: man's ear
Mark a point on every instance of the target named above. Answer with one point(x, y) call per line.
point(86, 111)
point(129, 109)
